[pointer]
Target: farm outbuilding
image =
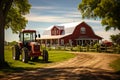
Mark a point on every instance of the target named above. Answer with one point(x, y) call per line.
point(75, 33)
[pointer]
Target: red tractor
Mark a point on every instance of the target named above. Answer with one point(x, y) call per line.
point(28, 48)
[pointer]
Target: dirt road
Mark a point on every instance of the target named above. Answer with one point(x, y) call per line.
point(85, 66)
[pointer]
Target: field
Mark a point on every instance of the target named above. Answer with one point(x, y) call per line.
point(84, 66)
point(54, 58)
point(64, 65)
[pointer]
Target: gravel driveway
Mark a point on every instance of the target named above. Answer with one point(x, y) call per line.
point(85, 66)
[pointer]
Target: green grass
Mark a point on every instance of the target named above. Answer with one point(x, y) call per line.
point(54, 57)
point(116, 65)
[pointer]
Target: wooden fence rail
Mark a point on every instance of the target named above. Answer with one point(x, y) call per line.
point(101, 49)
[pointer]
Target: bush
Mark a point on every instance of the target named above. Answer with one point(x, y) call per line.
point(117, 49)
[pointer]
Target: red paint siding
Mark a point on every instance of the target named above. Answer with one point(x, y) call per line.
point(76, 34)
point(56, 31)
point(87, 32)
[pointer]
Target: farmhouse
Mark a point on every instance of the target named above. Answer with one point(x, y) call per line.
point(76, 33)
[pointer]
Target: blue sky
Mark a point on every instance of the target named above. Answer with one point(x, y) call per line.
point(45, 13)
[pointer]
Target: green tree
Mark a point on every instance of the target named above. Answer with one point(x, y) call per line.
point(107, 10)
point(115, 38)
point(12, 16)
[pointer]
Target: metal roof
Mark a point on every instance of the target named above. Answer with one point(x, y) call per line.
point(68, 28)
point(52, 37)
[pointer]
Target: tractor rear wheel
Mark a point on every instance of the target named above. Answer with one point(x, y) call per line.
point(45, 55)
point(35, 58)
point(15, 52)
point(25, 55)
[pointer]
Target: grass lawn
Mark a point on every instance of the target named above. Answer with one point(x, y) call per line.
point(54, 56)
point(18, 65)
point(116, 64)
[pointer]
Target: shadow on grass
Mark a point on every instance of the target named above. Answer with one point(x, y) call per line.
point(40, 61)
point(64, 73)
point(7, 68)
point(10, 69)
point(67, 73)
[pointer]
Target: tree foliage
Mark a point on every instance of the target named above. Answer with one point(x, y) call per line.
point(11, 16)
point(115, 38)
point(15, 19)
point(107, 10)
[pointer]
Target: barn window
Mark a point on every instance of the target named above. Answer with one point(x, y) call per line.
point(83, 30)
point(57, 32)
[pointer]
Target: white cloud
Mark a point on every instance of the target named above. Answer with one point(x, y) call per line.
point(42, 18)
point(54, 8)
point(106, 34)
point(93, 21)
point(103, 34)
point(9, 36)
point(48, 18)
point(100, 30)
point(72, 15)
point(43, 7)
point(54, 14)
point(39, 29)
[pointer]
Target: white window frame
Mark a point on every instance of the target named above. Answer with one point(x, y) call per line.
point(83, 30)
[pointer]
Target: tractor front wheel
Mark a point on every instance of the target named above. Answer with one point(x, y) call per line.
point(45, 55)
point(25, 55)
point(15, 52)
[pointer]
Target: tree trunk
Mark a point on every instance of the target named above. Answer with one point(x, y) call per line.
point(4, 8)
point(2, 24)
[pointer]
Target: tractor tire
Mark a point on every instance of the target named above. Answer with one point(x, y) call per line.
point(15, 52)
point(45, 55)
point(35, 58)
point(24, 55)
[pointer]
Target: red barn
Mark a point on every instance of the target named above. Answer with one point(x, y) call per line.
point(70, 34)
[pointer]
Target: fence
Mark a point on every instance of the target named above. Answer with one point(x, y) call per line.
point(112, 49)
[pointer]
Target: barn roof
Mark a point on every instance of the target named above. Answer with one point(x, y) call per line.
point(53, 37)
point(68, 28)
